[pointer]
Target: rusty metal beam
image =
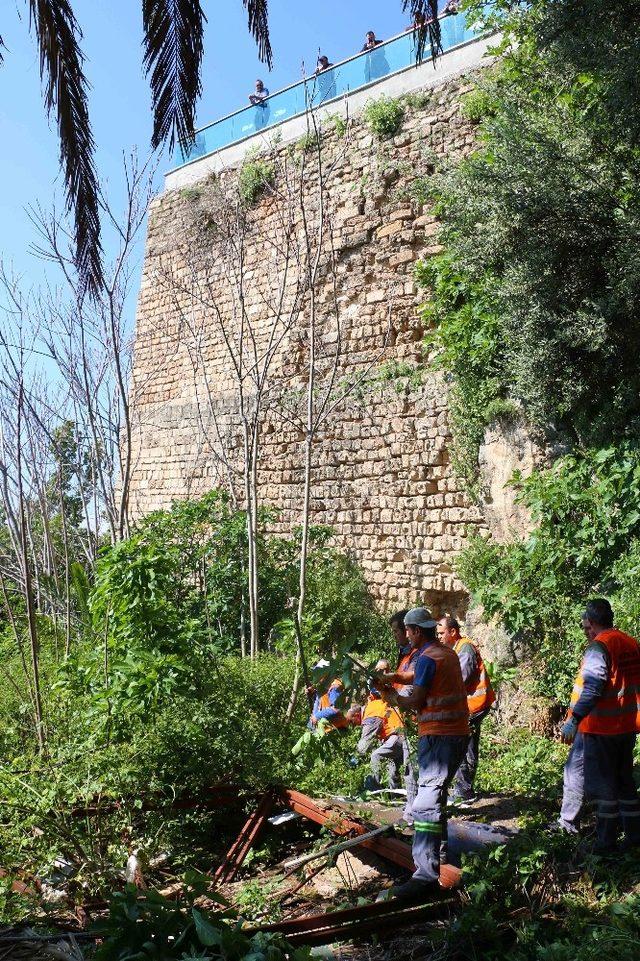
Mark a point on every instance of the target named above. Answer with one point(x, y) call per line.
point(249, 834)
point(356, 922)
point(391, 849)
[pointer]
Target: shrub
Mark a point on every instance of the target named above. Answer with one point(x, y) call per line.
point(384, 116)
point(256, 177)
point(339, 124)
point(309, 141)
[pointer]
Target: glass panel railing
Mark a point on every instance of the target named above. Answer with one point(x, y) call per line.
point(365, 68)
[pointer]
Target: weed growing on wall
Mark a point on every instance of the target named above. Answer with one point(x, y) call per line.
point(384, 116)
point(256, 177)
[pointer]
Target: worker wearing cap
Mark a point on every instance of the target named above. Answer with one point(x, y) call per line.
point(440, 699)
point(382, 730)
point(480, 697)
point(605, 710)
point(402, 680)
point(326, 706)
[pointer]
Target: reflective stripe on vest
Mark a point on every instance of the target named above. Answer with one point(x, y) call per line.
point(480, 694)
point(391, 719)
point(445, 709)
point(617, 711)
point(338, 720)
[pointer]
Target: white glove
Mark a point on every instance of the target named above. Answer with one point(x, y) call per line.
point(569, 730)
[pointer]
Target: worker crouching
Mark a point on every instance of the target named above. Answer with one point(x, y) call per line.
point(383, 727)
point(440, 699)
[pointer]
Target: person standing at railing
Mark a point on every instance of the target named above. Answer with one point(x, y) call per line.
point(323, 64)
point(370, 41)
point(260, 94)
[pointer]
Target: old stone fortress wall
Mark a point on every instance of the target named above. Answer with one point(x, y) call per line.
point(382, 477)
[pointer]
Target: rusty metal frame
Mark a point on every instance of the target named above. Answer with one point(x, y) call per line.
point(251, 831)
point(391, 849)
point(356, 922)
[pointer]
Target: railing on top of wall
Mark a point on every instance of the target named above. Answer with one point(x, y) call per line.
point(387, 58)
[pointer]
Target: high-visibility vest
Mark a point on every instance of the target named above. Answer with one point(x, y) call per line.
point(391, 719)
point(480, 694)
point(338, 720)
point(617, 711)
point(406, 662)
point(445, 710)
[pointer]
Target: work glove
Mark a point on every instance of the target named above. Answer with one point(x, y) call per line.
point(569, 730)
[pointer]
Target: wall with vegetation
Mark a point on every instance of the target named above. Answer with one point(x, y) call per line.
point(382, 478)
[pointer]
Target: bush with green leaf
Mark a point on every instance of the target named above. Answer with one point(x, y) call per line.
point(384, 116)
point(256, 177)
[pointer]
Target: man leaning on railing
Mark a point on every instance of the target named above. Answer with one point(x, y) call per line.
point(260, 94)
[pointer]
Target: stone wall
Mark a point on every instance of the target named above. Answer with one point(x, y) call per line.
point(382, 476)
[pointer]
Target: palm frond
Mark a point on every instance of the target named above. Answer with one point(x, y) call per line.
point(430, 32)
point(173, 48)
point(258, 11)
point(65, 91)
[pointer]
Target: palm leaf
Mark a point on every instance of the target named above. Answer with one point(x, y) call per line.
point(65, 91)
point(431, 30)
point(173, 48)
point(259, 28)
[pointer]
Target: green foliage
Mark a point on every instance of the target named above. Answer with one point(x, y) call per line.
point(384, 116)
point(464, 332)
point(309, 141)
point(256, 178)
point(339, 124)
point(518, 762)
point(540, 277)
point(146, 925)
point(531, 900)
point(586, 542)
point(417, 101)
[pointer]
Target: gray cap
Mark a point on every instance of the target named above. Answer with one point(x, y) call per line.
point(419, 617)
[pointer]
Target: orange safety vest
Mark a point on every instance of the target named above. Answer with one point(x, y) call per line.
point(617, 711)
point(480, 694)
point(445, 709)
point(405, 664)
point(339, 721)
point(391, 719)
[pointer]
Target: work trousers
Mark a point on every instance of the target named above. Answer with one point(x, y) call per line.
point(391, 751)
point(439, 756)
point(609, 784)
point(466, 773)
point(410, 782)
point(573, 787)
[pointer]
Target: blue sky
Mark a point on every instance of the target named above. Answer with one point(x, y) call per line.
point(120, 98)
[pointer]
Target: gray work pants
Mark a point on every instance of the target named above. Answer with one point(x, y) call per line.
point(391, 751)
point(439, 756)
point(410, 782)
point(573, 787)
point(466, 773)
point(609, 784)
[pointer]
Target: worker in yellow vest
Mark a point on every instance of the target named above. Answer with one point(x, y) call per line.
point(440, 699)
point(605, 711)
point(480, 697)
point(382, 730)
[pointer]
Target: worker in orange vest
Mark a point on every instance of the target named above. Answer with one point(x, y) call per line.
point(480, 697)
point(440, 699)
point(605, 710)
point(402, 681)
point(327, 706)
point(383, 726)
